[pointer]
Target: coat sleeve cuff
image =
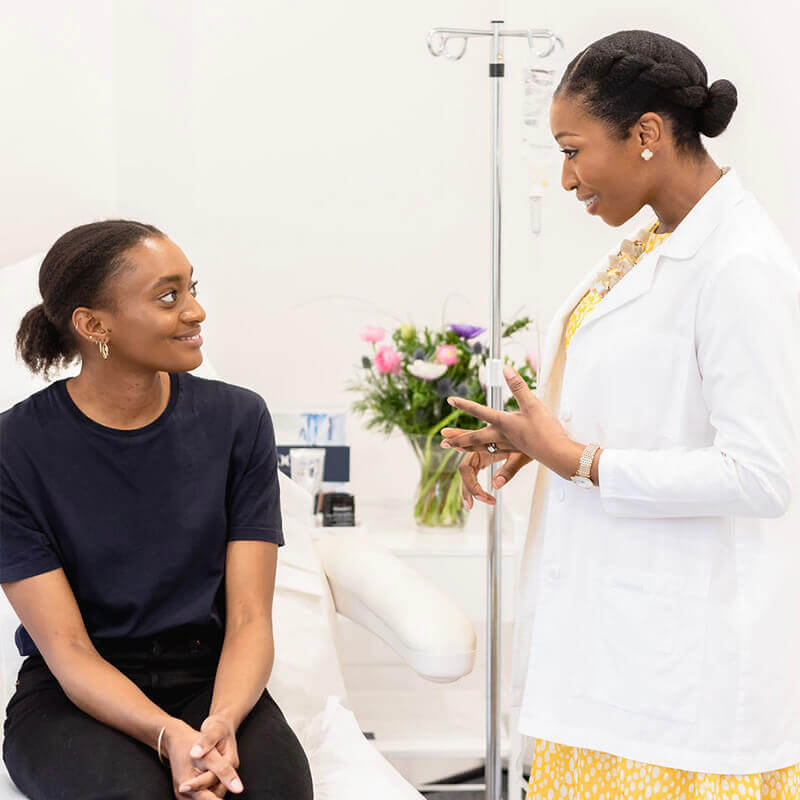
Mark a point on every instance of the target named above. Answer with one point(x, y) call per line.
point(617, 496)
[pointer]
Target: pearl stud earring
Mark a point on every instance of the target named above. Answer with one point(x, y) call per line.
point(647, 154)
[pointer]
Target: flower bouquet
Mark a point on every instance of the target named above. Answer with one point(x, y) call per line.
point(405, 385)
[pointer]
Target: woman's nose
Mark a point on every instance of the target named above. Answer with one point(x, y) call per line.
point(195, 311)
point(568, 180)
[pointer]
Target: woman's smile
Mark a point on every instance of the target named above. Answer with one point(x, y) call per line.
point(193, 339)
point(590, 202)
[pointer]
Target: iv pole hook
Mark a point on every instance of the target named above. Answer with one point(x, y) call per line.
point(437, 45)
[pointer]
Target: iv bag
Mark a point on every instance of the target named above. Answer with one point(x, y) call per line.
point(539, 77)
point(538, 86)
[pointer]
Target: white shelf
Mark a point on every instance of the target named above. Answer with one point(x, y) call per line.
point(392, 524)
point(441, 725)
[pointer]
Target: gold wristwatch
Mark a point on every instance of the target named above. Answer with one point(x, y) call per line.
point(582, 476)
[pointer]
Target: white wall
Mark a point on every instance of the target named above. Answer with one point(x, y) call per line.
point(57, 143)
point(324, 172)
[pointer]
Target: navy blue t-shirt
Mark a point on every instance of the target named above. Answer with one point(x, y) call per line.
point(138, 519)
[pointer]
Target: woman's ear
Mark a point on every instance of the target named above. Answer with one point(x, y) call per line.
point(86, 323)
point(650, 131)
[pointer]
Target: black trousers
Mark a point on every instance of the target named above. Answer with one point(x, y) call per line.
point(54, 751)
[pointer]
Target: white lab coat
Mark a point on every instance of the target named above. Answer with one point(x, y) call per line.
point(658, 616)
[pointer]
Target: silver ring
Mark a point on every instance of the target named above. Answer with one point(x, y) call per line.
point(491, 447)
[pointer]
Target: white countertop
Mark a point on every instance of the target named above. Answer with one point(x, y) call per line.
point(391, 522)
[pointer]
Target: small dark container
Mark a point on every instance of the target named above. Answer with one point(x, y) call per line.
point(338, 508)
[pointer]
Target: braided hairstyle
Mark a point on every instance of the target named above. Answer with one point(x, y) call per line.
point(75, 272)
point(622, 76)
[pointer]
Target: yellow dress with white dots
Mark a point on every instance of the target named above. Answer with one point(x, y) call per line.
point(564, 772)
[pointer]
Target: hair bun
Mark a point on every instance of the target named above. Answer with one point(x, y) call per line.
point(718, 109)
point(39, 342)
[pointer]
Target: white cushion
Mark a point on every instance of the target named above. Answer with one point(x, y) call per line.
point(371, 586)
point(306, 671)
point(345, 766)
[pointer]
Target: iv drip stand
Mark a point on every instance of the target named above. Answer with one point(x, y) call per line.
point(437, 40)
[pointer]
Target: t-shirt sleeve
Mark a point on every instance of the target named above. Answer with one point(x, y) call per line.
point(254, 510)
point(25, 550)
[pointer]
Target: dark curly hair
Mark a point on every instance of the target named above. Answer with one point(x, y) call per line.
point(75, 272)
point(622, 76)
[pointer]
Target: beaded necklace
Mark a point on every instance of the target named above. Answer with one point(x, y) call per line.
point(630, 251)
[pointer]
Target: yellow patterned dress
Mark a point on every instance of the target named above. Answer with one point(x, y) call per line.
point(563, 772)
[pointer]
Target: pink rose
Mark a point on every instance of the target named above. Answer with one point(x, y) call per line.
point(532, 358)
point(372, 334)
point(387, 360)
point(447, 354)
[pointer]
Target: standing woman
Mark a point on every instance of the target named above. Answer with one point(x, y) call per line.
point(657, 638)
point(139, 529)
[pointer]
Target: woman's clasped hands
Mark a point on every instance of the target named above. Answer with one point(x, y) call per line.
point(533, 433)
point(204, 763)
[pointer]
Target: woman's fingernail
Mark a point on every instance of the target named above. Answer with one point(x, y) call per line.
point(508, 371)
point(499, 481)
point(446, 445)
point(185, 788)
point(196, 751)
point(451, 401)
point(236, 785)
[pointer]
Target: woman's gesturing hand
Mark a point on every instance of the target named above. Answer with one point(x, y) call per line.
point(533, 430)
point(473, 463)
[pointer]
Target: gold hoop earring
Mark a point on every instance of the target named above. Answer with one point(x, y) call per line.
point(103, 349)
point(647, 154)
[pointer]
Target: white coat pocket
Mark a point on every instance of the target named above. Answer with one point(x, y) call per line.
point(646, 651)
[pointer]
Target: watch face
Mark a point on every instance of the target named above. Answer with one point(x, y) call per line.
point(584, 483)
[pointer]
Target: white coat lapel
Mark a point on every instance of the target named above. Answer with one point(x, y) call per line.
point(554, 337)
point(636, 283)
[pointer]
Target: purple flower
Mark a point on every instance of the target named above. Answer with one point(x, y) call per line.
point(444, 387)
point(467, 331)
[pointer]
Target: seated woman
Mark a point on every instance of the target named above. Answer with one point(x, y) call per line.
point(139, 531)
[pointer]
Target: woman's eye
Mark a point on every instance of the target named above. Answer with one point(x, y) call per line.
point(174, 294)
point(570, 154)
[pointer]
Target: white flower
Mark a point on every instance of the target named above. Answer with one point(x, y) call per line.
point(426, 370)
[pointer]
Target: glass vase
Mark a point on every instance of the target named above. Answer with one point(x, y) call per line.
point(437, 502)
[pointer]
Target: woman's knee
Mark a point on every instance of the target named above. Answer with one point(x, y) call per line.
point(75, 758)
point(273, 764)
